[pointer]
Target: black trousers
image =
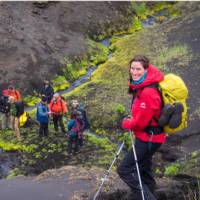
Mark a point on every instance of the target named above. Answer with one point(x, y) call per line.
point(43, 131)
point(75, 141)
point(58, 119)
point(128, 172)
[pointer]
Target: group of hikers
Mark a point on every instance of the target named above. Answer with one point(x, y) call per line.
point(52, 106)
point(11, 108)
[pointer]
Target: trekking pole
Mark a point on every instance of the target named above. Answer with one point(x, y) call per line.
point(137, 167)
point(103, 180)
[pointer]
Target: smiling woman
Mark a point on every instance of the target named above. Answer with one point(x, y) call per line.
point(138, 69)
point(145, 112)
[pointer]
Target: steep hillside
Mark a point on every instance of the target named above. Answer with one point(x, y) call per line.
point(167, 47)
point(36, 36)
point(173, 46)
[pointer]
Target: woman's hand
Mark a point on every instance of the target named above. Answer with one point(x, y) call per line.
point(126, 123)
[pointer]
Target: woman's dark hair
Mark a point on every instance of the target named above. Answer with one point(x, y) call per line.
point(145, 63)
point(142, 59)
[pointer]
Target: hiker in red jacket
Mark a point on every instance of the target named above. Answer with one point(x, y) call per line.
point(58, 108)
point(145, 113)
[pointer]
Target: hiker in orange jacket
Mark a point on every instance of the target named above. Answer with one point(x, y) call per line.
point(12, 92)
point(58, 108)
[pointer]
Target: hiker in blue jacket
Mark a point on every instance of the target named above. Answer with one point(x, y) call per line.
point(73, 132)
point(43, 116)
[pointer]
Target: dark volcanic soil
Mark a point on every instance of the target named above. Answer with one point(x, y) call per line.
point(35, 37)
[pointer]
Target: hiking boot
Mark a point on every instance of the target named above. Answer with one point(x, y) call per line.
point(176, 118)
point(167, 111)
point(148, 195)
point(136, 195)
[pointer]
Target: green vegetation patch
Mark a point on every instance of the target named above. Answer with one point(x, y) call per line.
point(100, 142)
point(60, 83)
point(172, 170)
point(9, 146)
point(31, 100)
point(77, 66)
point(180, 54)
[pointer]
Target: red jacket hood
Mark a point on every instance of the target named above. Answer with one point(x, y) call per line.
point(154, 75)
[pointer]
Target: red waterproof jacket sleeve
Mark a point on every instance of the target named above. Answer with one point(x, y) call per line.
point(145, 108)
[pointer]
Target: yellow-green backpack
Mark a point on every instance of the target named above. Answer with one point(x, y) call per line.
point(23, 119)
point(173, 89)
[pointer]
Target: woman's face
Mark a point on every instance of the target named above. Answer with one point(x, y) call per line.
point(137, 70)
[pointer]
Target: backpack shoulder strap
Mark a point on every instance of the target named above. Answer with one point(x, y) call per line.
point(149, 128)
point(153, 85)
point(156, 87)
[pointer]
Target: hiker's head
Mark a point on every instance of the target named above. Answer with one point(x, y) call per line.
point(138, 67)
point(78, 113)
point(11, 87)
point(75, 103)
point(46, 82)
point(11, 99)
point(44, 100)
point(55, 96)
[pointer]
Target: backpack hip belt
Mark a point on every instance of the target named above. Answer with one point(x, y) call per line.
point(156, 130)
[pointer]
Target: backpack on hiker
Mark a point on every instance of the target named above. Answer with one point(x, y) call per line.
point(20, 107)
point(74, 128)
point(23, 119)
point(174, 95)
point(83, 117)
point(4, 104)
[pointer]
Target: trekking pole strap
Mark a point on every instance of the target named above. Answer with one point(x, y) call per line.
point(103, 180)
point(137, 167)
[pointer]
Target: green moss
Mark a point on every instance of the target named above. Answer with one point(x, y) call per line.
point(137, 25)
point(100, 132)
point(158, 171)
point(194, 154)
point(10, 146)
point(97, 52)
point(6, 146)
point(60, 83)
point(119, 108)
point(172, 170)
point(32, 113)
point(127, 139)
point(31, 100)
point(179, 53)
point(103, 143)
point(140, 9)
point(78, 65)
point(105, 161)
point(13, 173)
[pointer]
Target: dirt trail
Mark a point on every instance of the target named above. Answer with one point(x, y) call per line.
point(24, 188)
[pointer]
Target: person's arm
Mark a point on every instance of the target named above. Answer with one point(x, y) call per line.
point(70, 124)
point(18, 95)
point(50, 106)
point(143, 110)
point(64, 107)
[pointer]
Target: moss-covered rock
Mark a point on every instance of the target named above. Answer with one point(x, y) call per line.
point(60, 83)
